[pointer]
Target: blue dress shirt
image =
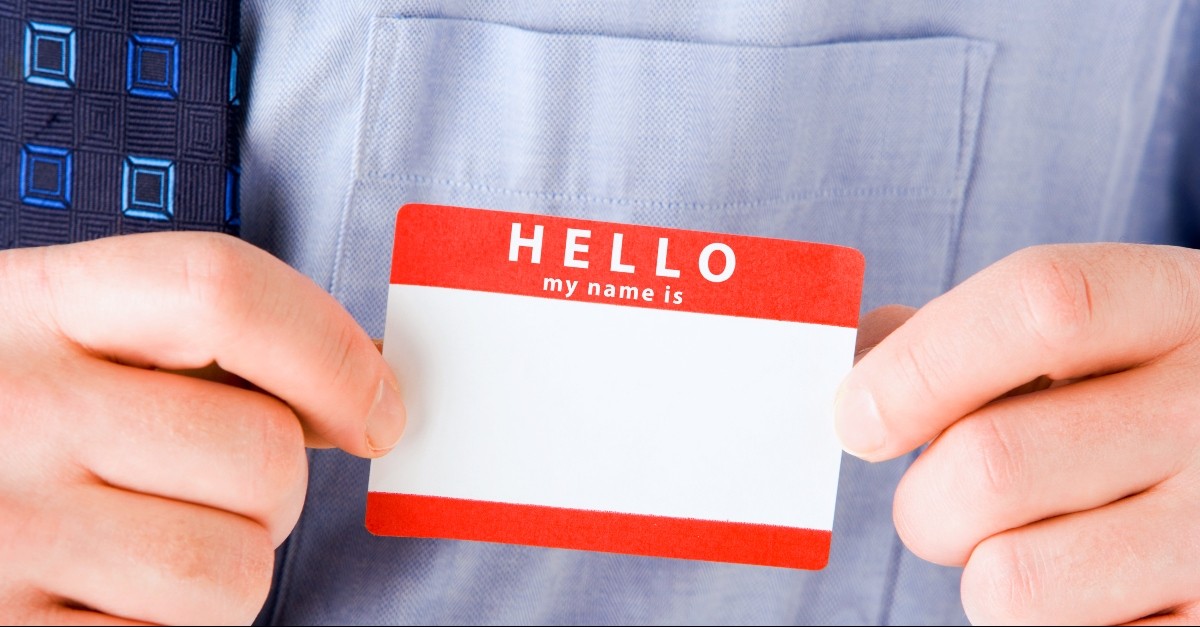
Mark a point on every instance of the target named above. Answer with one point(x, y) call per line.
point(934, 136)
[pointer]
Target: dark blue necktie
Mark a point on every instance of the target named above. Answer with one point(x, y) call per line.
point(117, 117)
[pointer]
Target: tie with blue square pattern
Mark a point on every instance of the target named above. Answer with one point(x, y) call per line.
point(117, 116)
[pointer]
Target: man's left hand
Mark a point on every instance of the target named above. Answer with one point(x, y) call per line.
point(1061, 390)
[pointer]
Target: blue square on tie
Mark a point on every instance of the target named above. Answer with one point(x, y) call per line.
point(148, 188)
point(50, 55)
point(46, 176)
point(235, 96)
point(233, 207)
point(152, 67)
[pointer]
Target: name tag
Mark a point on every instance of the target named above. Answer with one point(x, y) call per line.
point(609, 387)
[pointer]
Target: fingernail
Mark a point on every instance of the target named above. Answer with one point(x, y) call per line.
point(857, 422)
point(385, 422)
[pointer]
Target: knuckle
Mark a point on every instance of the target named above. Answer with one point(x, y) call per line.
point(192, 556)
point(948, 500)
point(1000, 583)
point(339, 352)
point(234, 561)
point(920, 367)
point(276, 486)
point(283, 445)
point(214, 273)
point(213, 259)
point(991, 458)
point(1056, 294)
point(255, 568)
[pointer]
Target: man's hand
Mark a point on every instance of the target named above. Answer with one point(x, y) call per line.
point(128, 493)
point(1072, 500)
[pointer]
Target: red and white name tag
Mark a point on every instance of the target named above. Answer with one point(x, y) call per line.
point(608, 387)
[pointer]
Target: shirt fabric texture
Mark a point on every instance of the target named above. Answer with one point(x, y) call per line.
point(936, 137)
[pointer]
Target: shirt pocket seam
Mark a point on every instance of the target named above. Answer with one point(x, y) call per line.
point(817, 194)
point(907, 55)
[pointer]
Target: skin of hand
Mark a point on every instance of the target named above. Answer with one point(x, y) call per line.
point(1076, 501)
point(130, 493)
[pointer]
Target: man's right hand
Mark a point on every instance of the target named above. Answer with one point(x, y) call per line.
point(128, 493)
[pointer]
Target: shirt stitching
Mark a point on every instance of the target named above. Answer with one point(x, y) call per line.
point(868, 192)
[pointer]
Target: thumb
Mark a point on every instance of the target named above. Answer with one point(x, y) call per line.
point(873, 328)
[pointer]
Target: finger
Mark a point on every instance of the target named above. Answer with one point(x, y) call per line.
point(878, 324)
point(187, 439)
point(24, 606)
point(1187, 615)
point(213, 372)
point(1060, 311)
point(147, 558)
point(59, 615)
point(1115, 564)
point(1036, 456)
point(185, 300)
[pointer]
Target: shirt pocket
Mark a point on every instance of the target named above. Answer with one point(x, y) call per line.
point(867, 144)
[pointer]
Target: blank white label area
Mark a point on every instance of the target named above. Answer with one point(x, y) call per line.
point(536, 401)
